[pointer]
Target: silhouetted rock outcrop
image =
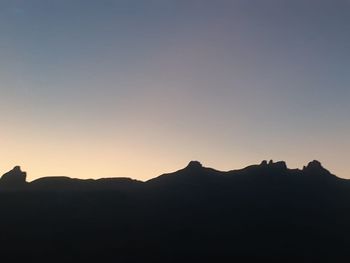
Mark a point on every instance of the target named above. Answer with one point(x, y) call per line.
point(14, 178)
point(194, 166)
point(282, 166)
point(263, 163)
point(316, 168)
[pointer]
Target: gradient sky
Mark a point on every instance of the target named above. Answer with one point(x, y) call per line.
point(137, 88)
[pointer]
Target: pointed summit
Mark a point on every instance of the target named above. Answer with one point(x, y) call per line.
point(194, 165)
point(263, 163)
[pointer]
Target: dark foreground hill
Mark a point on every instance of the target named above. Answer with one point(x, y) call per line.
point(261, 213)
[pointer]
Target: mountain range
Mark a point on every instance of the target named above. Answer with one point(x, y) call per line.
point(263, 212)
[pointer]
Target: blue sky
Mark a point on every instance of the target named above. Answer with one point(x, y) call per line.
point(138, 88)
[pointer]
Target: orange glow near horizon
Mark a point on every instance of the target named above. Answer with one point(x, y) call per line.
point(146, 157)
point(93, 89)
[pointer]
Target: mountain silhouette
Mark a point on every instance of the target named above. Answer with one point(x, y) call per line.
point(14, 178)
point(265, 212)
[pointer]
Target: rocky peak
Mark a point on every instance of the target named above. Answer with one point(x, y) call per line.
point(314, 165)
point(14, 177)
point(281, 165)
point(275, 165)
point(263, 163)
point(194, 165)
point(316, 168)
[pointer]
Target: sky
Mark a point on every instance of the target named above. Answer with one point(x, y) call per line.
point(137, 88)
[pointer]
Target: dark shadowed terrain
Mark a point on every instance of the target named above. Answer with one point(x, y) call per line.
point(264, 212)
